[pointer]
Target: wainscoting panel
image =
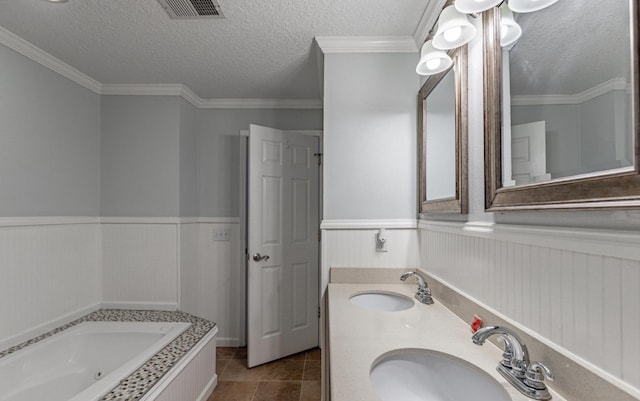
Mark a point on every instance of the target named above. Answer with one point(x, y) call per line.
point(587, 302)
point(357, 248)
point(221, 281)
point(49, 274)
point(189, 268)
point(140, 265)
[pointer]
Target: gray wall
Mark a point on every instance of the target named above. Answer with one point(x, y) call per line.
point(140, 156)
point(49, 142)
point(219, 151)
point(188, 159)
point(562, 134)
point(370, 140)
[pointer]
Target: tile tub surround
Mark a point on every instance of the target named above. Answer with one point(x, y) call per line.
point(357, 337)
point(146, 376)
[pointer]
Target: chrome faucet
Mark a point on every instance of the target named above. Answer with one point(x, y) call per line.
point(424, 292)
point(516, 367)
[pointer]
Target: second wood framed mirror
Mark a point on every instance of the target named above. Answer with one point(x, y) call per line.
point(442, 139)
point(562, 119)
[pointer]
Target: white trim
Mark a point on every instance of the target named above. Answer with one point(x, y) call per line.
point(310, 132)
point(368, 224)
point(204, 395)
point(219, 220)
point(141, 220)
point(191, 97)
point(619, 244)
point(428, 20)
point(162, 306)
point(366, 44)
point(47, 326)
point(578, 98)
point(260, 104)
point(47, 221)
point(16, 43)
point(228, 342)
point(73, 220)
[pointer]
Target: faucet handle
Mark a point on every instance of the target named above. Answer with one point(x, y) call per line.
point(507, 354)
point(534, 375)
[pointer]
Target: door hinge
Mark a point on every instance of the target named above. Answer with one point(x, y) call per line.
point(319, 156)
point(318, 312)
point(319, 235)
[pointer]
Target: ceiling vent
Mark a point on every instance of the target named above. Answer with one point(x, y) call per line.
point(190, 9)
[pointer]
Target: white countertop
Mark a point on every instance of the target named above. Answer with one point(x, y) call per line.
point(357, 337)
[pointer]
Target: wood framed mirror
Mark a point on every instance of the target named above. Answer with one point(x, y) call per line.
point(442, 139)
point(577, 80)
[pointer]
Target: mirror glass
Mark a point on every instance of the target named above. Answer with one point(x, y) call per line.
point(561, 108)
point(566, 93)
point(442, 134)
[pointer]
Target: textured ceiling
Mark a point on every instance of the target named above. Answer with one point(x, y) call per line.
point(571, 46)
point(261, 49)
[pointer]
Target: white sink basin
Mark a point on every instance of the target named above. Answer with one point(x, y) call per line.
point(382, 301)
point(425, 375)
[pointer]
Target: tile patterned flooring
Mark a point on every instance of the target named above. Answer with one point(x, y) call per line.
point(295, 378)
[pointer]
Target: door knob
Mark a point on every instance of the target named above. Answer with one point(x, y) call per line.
point(257, 257)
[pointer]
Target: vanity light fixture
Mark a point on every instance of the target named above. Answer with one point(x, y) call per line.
point(454, 29)
point(510, 30)
point(475, 6)
point(527, 6)
point(432, 60)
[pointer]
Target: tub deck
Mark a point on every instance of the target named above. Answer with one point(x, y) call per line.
point(146, 376)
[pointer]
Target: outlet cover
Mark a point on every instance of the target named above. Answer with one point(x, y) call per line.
point(220, 235)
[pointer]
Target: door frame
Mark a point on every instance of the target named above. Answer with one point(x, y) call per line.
point(244, 240)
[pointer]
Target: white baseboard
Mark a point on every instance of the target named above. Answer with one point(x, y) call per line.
point(168, 306)
point(209, 389)
point(228, 342)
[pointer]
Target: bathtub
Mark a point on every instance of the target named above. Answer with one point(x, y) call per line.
point(84, 362)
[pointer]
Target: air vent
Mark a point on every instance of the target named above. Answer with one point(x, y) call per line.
point(190, 9)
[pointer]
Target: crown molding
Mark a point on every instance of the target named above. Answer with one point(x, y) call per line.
point(16, 43)
point(260, 104)
point(578, 98)
point(428, 20)
point(188, 95)
point(366, 44)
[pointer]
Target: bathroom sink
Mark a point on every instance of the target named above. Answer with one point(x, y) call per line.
point(382, 301)
point(425, 375)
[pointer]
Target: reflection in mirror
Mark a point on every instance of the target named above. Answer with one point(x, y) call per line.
point(569, 88)
point(440, 141)
point(443, 139)
point(561, 108)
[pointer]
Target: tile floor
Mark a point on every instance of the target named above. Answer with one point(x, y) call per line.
point(295, 378)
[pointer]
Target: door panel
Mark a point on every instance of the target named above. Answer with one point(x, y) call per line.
point(283, 224)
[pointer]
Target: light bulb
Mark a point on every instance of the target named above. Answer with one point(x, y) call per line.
point(452, 34)
point(433, 63)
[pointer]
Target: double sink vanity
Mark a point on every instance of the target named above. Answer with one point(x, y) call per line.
point(386, 345)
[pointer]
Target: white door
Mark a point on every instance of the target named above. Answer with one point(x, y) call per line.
point(283, 240)
point(529, 153)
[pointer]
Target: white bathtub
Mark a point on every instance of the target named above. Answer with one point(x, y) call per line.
point(83, 362)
